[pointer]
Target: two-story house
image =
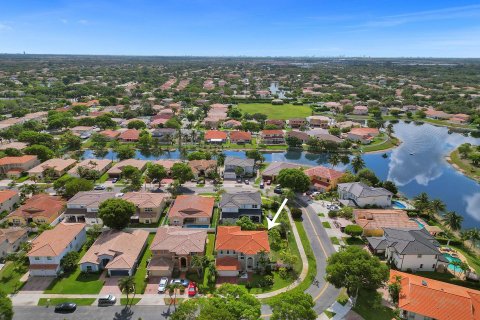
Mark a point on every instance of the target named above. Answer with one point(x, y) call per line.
point(363, 135)
point(191, 211)
point(15, 166)
point(51, 246)
point(319, 121)
point(239, 251)
point(116, 170)
point(323, 179)
point(149, 206)
point(116, 251)
point(240, 137)
point(297, 122)
point(165, 135)
point(416, 250)
point(272, 137)
point(83, 207)
point(245, 166)
point(173, 248)
point(235, 205)
point(215, 136)
point(8, 200)
point(359, 194)
point(10, 240)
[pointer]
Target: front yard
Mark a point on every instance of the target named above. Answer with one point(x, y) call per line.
point(10, 278)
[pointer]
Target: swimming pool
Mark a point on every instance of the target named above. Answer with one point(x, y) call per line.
point(398, 205)
point(451, 258)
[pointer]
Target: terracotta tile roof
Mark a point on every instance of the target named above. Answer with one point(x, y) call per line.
point(240, 135)
point(167, 164)
point(52, 242)
point(56, 164)
point(364, 131)
point(145, 199)
point(436, 299)
point(110, 133)
point(43, 205)
point(178, 240)
point(248, 242)
point(227, 264)
point(202, 165)
point(7, 194)
point(383, 218)
point(124, 247)
point(117, 168)
point(11, 235)
point(17, 160)
point(187, 206)
point(323, 172)
point(92, 164)
point(130, 134)
point(215, 134)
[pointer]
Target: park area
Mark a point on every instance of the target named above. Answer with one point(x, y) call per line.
point(282, 112)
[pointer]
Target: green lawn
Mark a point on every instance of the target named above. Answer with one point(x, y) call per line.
point(343, 297)
point(382, 142)
point(103, 178)
point(329, 314)
point(54, 301)
point(354, 241)
point(209, 250)
point(464, 164)
point(131, 302)
point(141, 272)
point(326, 224)
point(10, 278)
point(215, 217)
point(365, 307)
point(76, 282)
point(284, 112)
point(335, 240)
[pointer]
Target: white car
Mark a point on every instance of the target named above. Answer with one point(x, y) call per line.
point(162, 285)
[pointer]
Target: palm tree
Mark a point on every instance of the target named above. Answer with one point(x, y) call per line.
point(389, 129)
point(421, 202)
point(472, 234)
point(199, 262)
point(437, 206)
point(127, 286)
point(172, 291)
point(334, 159)
point(453, 220)
point(357, 163)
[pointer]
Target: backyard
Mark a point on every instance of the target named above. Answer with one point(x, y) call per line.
point(283, 112)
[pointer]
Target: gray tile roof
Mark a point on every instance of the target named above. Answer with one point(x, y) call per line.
point(238, 162)
point(407, 242)
point(237, 199)
point(361, 190)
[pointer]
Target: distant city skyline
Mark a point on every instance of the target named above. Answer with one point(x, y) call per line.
point(243, 28)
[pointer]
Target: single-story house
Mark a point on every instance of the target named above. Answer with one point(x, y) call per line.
point(40, 208)
point(99, 165)
point(58, 166)
point(116, 170)
point(10, 240)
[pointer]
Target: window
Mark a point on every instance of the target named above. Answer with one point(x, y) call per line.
point(421, 265)
point(419, 255)
point(89, 268)
point(228, 251)
point(37, 258)
point(254, 206)
point(147, 221)
point(148, 209)
point(49, 258)
point(221, 251)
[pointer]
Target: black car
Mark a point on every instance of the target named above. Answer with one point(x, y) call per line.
point(278, 190)
point(66, 307)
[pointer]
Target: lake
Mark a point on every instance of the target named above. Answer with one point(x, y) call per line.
point(425, 171)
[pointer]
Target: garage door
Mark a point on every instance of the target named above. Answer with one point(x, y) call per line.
point(227, 273)
point(118, 273)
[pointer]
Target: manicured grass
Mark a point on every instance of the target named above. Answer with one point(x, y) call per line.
point(278, 283)
point(215, 217)
point(335, 240)
point(465, 165)
point(22, 179)
point(354, 241)
point(103, 178)
point(54, 301)
point(131, 302)
point(76, 282)
point(10, 278)
point(141, 273)
point(283, 112)
point(472, 258)
point(365, 307)
point(329, 314)
point(343, 297)
point(321, 215)
point(209, 253)
point(326, 224)
point(382, 142)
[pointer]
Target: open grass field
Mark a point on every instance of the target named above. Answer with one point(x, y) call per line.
point(282, 112)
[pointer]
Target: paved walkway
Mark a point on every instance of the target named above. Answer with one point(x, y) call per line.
point(339, 310)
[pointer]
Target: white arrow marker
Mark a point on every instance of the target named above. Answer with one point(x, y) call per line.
point(272, 223)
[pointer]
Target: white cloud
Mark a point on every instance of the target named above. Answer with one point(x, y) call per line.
point(473, 205)
point(4, 27)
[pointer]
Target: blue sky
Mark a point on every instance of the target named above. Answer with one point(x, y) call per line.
point(383, 28)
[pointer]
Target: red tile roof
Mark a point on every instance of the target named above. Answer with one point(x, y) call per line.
point(364, 131)
point(436, 299)
point(187, 206)
point(7, 194)
point(240, 135)
point(215, 134)
point(323, 172)
point(110, 133)
point(248, 242)
point(130, 134)
point(43, 205)
point(17, 160)
point(227, 264)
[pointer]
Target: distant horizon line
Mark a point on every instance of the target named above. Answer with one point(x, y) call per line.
point(234, 56)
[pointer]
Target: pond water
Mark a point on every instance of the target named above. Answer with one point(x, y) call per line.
point(424, 171)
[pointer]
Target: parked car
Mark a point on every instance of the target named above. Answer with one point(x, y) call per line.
point(99, 187)
point(66, 307)
point(185, 282)
point(247, 181)
point(162, 285)
point(278, 189)
point(262, 184)
point(192, 289)
point(114, 180)
point(239, 180)
point(107, 300)
point(176, 281)
point(269, 182)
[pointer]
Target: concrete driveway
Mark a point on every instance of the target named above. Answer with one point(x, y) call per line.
point(111, 286)
point(152, 285)
point(36, 284)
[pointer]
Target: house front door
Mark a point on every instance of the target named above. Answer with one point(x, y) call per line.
point(183, 262)
point(249, 263)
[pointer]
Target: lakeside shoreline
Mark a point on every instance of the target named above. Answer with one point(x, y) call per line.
point(458, 168)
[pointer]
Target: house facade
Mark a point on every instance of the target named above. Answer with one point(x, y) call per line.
point(359, 194)
point(57, 166)
point(99, 165)
point(319, 121)
point(323, 179)
point(51, 246)
point(272, 137)
point(40, 209)
point(10, 240)
point(83, 207)
point(240, 137)
point(15, 166)
point(149, 206)
point(235, 205)
point(297, 122)
point(8, 200)
point(215, 136)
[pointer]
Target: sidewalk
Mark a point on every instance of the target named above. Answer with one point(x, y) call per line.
point(338, 309)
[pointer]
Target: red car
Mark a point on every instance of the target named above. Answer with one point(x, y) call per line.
point(192, 289)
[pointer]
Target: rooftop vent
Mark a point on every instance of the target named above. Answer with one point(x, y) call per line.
point(424, 283)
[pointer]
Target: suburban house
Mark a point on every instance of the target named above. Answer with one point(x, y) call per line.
point(300, 135)
point(239, 251)
point(164, 135)
point(57, 166)
point(235, 205)
point(13, 145)
point(323, 179)
point(40, 208)
point(15, 166)
point(273, 169)
point(215, 136)
point(172, 249)
point(99, 165)
point(247, 167)
point(358, 194)
point(240, 137)
point(437, 114)
point(232, 124)
point(116, 170)
point(191, 210)
point(8, 199)
point(272, 137)
point(110, 134)
point(116, 251)
point(51, 246)
point(202, 168)
point(83, 207)
point(424, 298)
point(415, 250)
point(275, 123)
point(374, 221)
point(130, 135)
point(167, 164)
point(83, 132)
point(319, 121)
point(363, 135)
point(149, 206)
point(360, 110)
point(297, 122)
point(10, 240)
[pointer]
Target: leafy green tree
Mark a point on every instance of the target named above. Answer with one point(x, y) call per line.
point(246, 223)
point(354, 268)
point(145, 141)
point(293, 142)
point(294, 179)
point(116, 213)
point(294, 305)
point(76, 185)
point(368, 176)
point(6, 307)
point(182, 172)
point(296, 213)
point(464, 149)
point(43, 153)
point(156, 171)
point(390, 186)
point(357, 164)
point(137, 124)
point(125, 152)
point(69, 261)
point(99, 141)
point(334, 131)
point(354, 230)
point(394, 289)
point(71, 141)
point(475, 158)
point(173, 123)
point(255, 155)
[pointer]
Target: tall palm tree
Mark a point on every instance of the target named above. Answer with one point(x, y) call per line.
point(172, 291)
point(334, 159)
point(127, 286)
point(453, 220)
point(472, 234)
point(198, 262)
point(422, 202)
point(357, 163)
point(437, 206)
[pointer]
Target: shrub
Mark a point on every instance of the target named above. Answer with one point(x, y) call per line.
point(332, 214)
point(283, 273)
point(69, 261)
point(353, 230)
point(268, 281)
point(296, 213)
